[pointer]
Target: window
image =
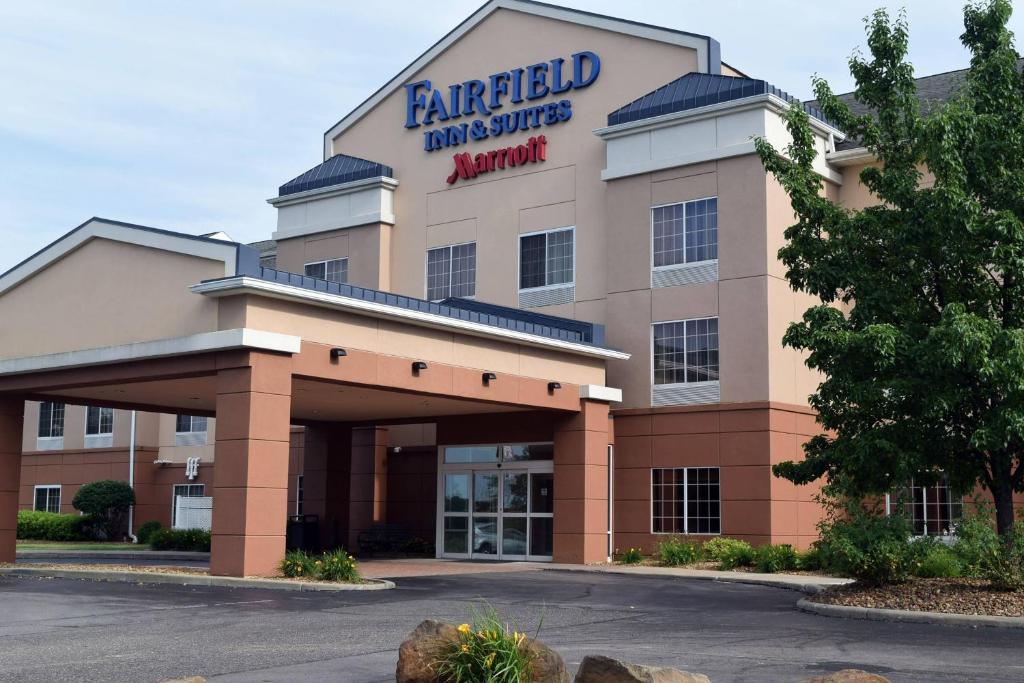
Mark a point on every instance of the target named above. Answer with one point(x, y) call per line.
point(685, 233)
point(686, 351)
point(51, 420)
point(299, 494)
point(99, 421)
point(47, 499)
point(335, 270)
point(190, 424)
point(685, 500)
point(184, 491)
point(932, 510)
point(546, 259)
point(451, 271)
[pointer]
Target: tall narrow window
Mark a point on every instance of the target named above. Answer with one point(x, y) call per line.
point(685, 233)
point(334, 270)
point(451, 271)
point(99, 421)
point(546, 259)
point(685, 500)
point(51, 420)
point(686, 351)
point(47, 498)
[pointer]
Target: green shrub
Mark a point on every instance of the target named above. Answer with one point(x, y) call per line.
point(298, 564)
point(984, 554)
point(487, 651)
point(36, 525)
point(675, 552)
point(770, 559)
point(631, 556)
point(811, 560)
point(729, 552)
point(939, 562)
point(334, 565)
point(146, 530)
point(107, 502)
point(195, 540)
point(874, 549)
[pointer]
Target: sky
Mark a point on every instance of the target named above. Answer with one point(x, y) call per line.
point(188, 115)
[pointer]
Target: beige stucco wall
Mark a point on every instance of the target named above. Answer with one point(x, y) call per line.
point(367, 248)
point(82, 301)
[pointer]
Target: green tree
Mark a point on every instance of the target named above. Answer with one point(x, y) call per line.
point(920, 330)
point(107, 503)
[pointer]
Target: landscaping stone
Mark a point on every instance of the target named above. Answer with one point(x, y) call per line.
point(420, 650)
point(597, 669)
point(548, 665)
point(849, 676)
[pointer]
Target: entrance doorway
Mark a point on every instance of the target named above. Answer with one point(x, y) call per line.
point(496, 502)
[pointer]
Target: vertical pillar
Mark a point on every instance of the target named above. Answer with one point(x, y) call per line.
point(581, 486)
point(368, 482)
point(250, 480)
point(12, 415)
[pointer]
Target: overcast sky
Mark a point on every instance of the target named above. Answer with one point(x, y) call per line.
point(187, 115)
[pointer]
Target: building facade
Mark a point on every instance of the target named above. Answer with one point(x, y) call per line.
point(585, 184)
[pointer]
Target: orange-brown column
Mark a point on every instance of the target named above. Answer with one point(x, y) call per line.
point(581, 486)
point(250, 480)
point(12, 414)
point(368, 482)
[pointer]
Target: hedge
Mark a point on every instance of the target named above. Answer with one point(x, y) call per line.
point(36, 525)
point(180, 539)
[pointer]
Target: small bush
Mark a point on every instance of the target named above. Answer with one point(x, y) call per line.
point(36, 525)
point(985, 554)
point(770, 559)
point(146, 530)
point(939, 562)
point(811, 560)
point(874, 549)
point(631, 556)
point(107, 502)
point(298, 564)
point(335, 565)
point(194, 540)
point(675, 552)
point(729, 552)
point(487, 651)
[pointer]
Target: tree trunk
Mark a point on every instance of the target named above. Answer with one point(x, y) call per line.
point(1002, 496)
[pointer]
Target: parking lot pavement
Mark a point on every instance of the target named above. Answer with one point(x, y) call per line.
point(63, 630)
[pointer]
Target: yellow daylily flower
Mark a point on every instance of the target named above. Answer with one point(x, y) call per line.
point(464, 628)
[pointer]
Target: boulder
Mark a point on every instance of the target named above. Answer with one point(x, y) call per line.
point(420, 650)
point(548, 665)
point(850, 676)
point(597, 669)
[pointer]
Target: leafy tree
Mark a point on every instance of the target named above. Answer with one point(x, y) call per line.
point(920, 330)
point(107, 503)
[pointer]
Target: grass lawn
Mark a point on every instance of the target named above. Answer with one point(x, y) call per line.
point(83, 545)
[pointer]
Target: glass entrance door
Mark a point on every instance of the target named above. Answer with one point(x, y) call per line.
point(485, 515)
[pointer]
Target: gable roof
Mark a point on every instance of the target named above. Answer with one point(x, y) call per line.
point(696, 90)
point(341, 168)
point(709, 54)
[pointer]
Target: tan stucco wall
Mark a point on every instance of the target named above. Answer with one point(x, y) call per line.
point(367, 248)
point(103, 294)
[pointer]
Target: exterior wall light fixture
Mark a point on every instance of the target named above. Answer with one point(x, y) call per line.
point(552, 386)
point(487, 377)
point(337, 352)
point(418, 365)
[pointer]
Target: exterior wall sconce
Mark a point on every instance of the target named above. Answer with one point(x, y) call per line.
point(418, 365)
point(552, 386)
point(337, 352)
point(487, 377)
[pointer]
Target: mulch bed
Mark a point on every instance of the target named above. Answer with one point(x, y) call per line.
point(952, 596)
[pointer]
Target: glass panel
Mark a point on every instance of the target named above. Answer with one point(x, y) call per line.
point(485, 492)
point(532, 250)
point(513, 536)
point(317, 270)
point(559, 257)
point(533, 451)
point(41, 499)
point(471, 454)
point(515, 492)
point(439, 273)
point(541, 535)
point(456, 493)
point(337, 270)
point(456, 532)
point(485, 535)
point(464, 270)
point(542, 494)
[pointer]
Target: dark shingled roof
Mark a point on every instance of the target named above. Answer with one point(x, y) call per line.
point(339, 169)
point(698, 90)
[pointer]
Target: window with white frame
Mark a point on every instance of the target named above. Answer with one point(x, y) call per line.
point(686, 500)
point(184, 491)
point(333, 270)
point(685, 233)
point(47, 498)
point(451, 271)
point(546, 259)
point(99, 421)
point(931, 510)
point(190, 430)
point(686, 351)
point(51, 420)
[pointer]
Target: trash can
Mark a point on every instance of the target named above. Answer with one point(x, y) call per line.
point(303, 533)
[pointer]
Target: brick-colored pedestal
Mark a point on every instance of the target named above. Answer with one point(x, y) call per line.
point(250, 486)
point(11, 418)
point(581, 486)
point(368, 482)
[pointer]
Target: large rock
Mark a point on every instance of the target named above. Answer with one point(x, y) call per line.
point(850, 676)
point(596, 669)
point(420, 650)
point(548, 665)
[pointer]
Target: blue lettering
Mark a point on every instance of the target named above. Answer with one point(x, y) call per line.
point(537, 83)
point(517, 86)
point(499, 87)
point(565, 110)
point(435, 108)
point(414, 101)
point(478, 130)
point(579, 60)
point(557, 86)
point(454, 94)
point(473, 99)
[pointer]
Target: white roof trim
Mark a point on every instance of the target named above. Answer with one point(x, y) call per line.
point(596, 392)
point(851, 157)
point(381, 182)
point(664, 35)
point(212, 249)
point(238, 285)
point(222, 340)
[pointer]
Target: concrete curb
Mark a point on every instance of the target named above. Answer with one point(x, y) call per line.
point(193, 579)
point(799, 583)
point(908, 616)
point(112, 555)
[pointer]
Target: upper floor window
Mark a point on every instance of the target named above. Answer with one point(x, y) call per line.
point(451, 271)
point(47, 498)
point(99, 421)
point(190, 424)
point(686, 351)
point(51, 420)
point(685, 233)
point(547, 259)
point(334, 270)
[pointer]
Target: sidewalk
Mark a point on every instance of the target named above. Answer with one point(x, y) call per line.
point(806, 583)
point(150, 556)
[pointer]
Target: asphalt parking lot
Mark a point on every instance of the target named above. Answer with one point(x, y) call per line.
point(65, 630)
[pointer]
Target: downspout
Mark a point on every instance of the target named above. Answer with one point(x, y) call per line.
point(611, 501)
point(131, 479)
